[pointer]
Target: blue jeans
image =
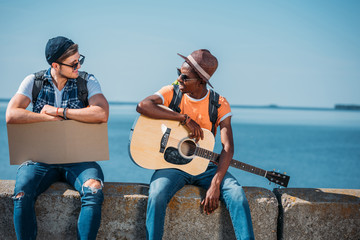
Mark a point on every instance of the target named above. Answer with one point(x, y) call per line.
point(33, 178)
point(166, 182)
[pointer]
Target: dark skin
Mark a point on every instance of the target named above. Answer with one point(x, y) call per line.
point(196, 88)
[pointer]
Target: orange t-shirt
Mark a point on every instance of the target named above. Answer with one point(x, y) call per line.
point(197, 109)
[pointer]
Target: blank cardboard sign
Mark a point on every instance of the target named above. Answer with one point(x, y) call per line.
point(58, 142)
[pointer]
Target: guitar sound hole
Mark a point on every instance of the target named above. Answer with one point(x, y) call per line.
point(187, 148)
point(173, 156)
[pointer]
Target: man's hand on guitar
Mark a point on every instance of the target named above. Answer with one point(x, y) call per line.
point(195, 130)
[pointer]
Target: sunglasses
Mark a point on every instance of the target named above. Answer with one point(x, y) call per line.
point(75, 65)
point(183, 76)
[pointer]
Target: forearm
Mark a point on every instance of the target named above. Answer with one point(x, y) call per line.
point(16, 112)
point(97, 112)
point(151, 109)
point(227, 152)
point(92, 114)
point(211, 201)
point(19, 115)
point(224, 163)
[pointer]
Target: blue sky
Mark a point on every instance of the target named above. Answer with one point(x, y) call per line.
point(290, 53)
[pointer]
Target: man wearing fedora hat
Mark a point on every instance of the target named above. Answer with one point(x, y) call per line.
point(193, 79)
point(58, 99)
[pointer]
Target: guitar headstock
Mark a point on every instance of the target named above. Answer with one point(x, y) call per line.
point(278, 178)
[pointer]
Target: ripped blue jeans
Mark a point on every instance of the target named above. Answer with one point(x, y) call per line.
point(33, 178)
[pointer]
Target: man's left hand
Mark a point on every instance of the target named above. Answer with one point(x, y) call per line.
point(49, 110)
point(211, 201)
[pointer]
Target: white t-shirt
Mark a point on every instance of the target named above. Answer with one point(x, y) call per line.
point(27, 84)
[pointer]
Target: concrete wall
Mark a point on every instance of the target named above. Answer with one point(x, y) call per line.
point(303, 213)
point(124, 209)
point(319, 213)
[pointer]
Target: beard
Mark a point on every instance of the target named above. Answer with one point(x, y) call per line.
point(68, 75)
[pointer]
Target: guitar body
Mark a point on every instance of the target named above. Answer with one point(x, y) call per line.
point(160, 144)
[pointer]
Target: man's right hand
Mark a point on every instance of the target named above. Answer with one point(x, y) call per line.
point(51, 112)
point(195, 130)
point(150, 107)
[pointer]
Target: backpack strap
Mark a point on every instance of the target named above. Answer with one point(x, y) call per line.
point(175, 101)
point(213, 105)
point(38, 84)
point(81, 83)
point(213, 108)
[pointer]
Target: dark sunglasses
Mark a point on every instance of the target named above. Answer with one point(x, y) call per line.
point(183, 76)
point(74, 66)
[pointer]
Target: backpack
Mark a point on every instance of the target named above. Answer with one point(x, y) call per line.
point(213, 105)
point(80, 82)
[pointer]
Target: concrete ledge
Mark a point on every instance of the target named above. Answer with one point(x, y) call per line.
point(319, 213)
point(124, 210)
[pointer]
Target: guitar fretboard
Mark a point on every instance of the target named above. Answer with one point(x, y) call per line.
point(204, 153)
point(214, 157)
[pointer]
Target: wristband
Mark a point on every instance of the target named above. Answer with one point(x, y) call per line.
point(64, 113)
point(186, 120)
point(57, 112)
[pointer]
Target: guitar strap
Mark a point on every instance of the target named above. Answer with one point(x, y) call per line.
point(213, 105)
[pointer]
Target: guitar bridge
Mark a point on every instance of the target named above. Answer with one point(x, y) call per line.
point(164, 140)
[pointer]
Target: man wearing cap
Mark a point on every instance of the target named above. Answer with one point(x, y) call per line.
point(58, 100)
point(193, 78)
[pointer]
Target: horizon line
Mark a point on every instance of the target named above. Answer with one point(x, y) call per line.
point(268, 106)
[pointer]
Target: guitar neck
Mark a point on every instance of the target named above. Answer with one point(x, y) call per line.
point(214, 157)
point(248, 168)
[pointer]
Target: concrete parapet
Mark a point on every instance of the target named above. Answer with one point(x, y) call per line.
point(304, 213)
point(319, 213)
point(124, 211)
point(185, 220)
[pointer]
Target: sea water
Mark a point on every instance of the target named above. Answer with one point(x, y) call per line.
point(316, 148)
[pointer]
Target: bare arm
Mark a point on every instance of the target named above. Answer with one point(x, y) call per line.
point(97, 112)
point(211, 201)
point(150, 107)
point(16, 112)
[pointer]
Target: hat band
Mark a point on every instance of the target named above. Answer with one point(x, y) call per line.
point(198, 67)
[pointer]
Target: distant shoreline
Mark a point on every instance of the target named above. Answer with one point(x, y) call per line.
point(337, 107)
point(271, 106)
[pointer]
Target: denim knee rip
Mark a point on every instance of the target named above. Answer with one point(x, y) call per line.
point(93, 190)
point(29, 162)
point(16, 197)
point(92, 195)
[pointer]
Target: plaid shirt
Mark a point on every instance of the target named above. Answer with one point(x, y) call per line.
point(47, 95)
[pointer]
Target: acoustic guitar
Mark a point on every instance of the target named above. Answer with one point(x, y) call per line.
point(159, 144)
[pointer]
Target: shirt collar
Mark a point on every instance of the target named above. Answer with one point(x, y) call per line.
point(48, 77)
